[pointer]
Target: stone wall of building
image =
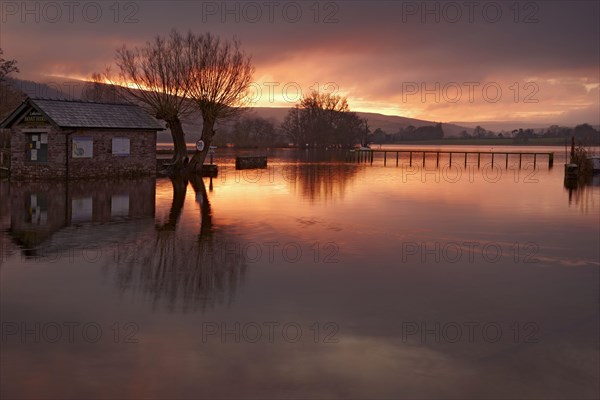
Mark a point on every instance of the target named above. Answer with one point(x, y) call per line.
point(21, 167)
point(140, 161)
point(61, 163)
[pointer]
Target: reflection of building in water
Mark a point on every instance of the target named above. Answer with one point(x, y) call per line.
point(6, 245)
point(166, 264)
point(320, 181)
point(44, 215)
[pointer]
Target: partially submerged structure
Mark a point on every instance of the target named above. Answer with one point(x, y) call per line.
point(46, 138)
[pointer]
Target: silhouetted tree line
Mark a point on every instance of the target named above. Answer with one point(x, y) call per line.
point(323, 120)
point(252, 131)
point(429, 132)
point(584, 134)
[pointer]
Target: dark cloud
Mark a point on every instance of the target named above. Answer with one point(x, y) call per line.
point(372, 48)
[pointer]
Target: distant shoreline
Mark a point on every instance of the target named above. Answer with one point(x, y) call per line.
point(484, 142)
point(164, 148)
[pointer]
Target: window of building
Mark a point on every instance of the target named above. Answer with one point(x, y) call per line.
point(37, 147)
point(120, 146)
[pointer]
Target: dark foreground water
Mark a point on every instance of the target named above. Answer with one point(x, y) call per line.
point(310, 279)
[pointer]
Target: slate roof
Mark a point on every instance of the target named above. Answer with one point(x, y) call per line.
point(82, 114)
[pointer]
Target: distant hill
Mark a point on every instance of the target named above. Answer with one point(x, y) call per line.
point(73, 89)
point(509, 126)
point(387, 123)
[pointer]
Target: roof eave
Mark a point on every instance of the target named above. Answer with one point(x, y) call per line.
point(28, 102)
point(112, 128)
point(8, 120)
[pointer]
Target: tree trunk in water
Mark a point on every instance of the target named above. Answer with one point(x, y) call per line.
point(198, 158)
point(179, 142)
point(179, 190)
point(205, 212)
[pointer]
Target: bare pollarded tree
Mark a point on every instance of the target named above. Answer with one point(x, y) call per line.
point(7, 66)
point(177, 75)
point(220, 80)
point(156, 76)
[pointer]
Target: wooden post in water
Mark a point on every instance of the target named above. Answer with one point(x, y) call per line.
point(478, 160)
point(397, 159)
point(384, 158)
point(492, 160)
point(465, 159)
point(450, 159)
point(410, 162)
point(506, 160)
point(520, 159)
point(550, 160)
point(534, 159)
point(370, 151)
point(423, 159)
point(437, 159)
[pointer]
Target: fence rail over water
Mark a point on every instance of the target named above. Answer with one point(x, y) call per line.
point(367, 156)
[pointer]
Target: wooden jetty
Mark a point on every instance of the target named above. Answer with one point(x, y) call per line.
point(367, 156)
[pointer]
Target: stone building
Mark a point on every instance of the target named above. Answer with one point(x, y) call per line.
point(45, 139)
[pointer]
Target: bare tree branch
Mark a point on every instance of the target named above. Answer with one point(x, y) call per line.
point(6, 66)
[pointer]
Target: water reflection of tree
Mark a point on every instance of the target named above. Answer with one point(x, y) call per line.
point(320, 182)
point(182, 270)
point(581, 192)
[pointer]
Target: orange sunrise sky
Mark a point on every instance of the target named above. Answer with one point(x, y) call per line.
point(440, 61)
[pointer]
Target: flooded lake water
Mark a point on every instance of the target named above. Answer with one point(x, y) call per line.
point(313, 278)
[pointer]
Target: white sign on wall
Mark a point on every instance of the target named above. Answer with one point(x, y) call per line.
point(120, 146)
point(83, 147)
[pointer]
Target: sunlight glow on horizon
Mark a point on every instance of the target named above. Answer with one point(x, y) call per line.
point(271, 95)
point(276, 99)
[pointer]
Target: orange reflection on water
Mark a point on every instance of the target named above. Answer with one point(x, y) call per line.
point(361, 206)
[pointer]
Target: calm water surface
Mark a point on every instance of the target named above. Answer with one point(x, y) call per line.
point(313, 278)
